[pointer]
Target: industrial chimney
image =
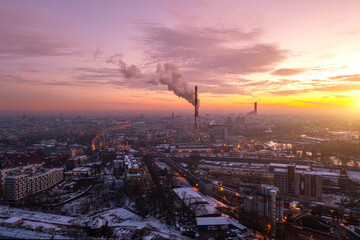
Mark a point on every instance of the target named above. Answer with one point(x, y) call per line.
point(196, 129)
point(255, 107)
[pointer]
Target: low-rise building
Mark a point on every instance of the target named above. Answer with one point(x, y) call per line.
point(211, 223)
point(76, 161)
point(12, 222)
point(83, 171)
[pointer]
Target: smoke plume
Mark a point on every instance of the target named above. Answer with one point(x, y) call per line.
point(170, 75)
point(167, 74)
point(128, 72)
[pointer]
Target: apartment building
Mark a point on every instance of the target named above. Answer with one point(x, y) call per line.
point(17, 171)
point(20, 186)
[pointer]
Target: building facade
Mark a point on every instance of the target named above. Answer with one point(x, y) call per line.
point(20, 186)
point(308, 185)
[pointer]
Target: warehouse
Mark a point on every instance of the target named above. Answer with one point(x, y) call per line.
point(211, 223)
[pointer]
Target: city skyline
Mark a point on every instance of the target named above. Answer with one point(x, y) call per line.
point(288, 56)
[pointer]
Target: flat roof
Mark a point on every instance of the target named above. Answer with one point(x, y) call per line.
point(12, 220)
point(205, 209)
point(190, 194)
point(237, 225)
point(82, 169)
point(200, 221)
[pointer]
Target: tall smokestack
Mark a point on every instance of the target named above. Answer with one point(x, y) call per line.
point(255, 107)
point(196, 129)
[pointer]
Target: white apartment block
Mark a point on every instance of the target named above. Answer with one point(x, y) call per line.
point(20, 186)
point(16, 171)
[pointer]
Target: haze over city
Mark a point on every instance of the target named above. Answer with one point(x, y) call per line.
point(290, 56)
point(180, 119)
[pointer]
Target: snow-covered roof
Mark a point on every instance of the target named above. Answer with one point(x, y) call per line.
point(97, 223)
point(184, 165)
point(162, 165)
point(201, 221)
point(354, 175)
point(205, 209)
point(189, 193)
point(12, 220)
point(17, 233)
point(82, 169)
point(282, 165)
point(236, 224)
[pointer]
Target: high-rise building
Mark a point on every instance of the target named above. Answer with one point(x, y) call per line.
point(308, 185)
point(267, 204)
point(303, 184)
point(281, 180)
point(291, 178)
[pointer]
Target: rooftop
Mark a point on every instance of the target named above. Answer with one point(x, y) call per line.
point(211, 221)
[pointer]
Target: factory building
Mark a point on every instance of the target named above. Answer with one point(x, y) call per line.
point(221, 134)
point(284, 177)
point(190, 148)
point(281, 180)
point(211, 223)
point(255, 110)
point(243, 175)
point(302, 184)
point(266, 204)
point(21, 186)
point(308, 185)
point(195, 202)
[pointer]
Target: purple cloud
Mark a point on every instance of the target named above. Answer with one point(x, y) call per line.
point(205, 49)
point(21, 36)
point(288, 71)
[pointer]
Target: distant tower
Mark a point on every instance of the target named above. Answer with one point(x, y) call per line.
point(172, 115)
point(196, 129)
point(255, 107)
point(24, 117)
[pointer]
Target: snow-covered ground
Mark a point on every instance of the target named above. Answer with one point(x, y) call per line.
point(120, 219)
point(16, 233)
point(7, 212)
point(118, 215)
point(354, 176)
point(123, 220)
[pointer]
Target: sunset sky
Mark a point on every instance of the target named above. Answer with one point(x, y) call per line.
point(289, 56)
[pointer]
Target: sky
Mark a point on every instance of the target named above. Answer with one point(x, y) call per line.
point(146, 56)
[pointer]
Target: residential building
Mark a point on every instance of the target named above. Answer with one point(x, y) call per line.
point(20, 186)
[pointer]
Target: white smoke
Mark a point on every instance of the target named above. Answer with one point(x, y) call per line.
point(167, 74)
point(131, 71)
point(170, 75)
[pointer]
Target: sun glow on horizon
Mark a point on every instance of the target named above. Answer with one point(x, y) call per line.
point(233, 66)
